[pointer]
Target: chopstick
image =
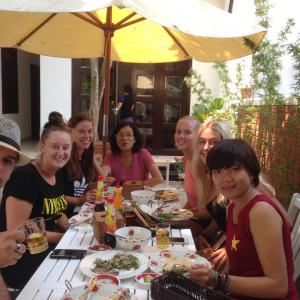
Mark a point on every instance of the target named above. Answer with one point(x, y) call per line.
point(141, 218)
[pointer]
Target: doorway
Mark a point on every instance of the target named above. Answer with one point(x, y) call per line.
point(161, 100)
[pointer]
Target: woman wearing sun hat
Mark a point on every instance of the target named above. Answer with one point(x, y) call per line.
point(11, 246)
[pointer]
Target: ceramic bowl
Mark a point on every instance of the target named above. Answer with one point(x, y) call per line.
point(145, 279)
point(135, 238)
point(142, 196)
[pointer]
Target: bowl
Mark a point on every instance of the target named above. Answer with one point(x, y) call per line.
point(142, 196)
point(105, 279)
point(145, 279)
point(132, 238)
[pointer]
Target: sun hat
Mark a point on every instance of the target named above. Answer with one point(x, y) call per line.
point(10, 138)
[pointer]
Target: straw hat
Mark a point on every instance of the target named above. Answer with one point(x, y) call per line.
point(10, 138)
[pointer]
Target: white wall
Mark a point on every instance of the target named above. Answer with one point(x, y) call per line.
point(56, 87)
point(279, 13)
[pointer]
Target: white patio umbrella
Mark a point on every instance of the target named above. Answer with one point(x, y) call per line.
point(141, 31)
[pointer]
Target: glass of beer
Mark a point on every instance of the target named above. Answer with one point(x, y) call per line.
point(163, 235)
point(36, 235)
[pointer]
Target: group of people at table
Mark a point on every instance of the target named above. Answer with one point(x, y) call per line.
point(224, 186)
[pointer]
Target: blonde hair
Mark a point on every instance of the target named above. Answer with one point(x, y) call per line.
point(204, 185)
point(194, 121)
point(219, 126)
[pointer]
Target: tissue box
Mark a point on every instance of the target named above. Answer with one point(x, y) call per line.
point(129, 186)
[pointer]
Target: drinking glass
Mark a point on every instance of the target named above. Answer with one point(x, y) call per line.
point(36, 235)
point(163, 235)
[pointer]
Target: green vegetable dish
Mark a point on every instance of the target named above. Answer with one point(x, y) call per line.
point(165, 215)
point(116, 263)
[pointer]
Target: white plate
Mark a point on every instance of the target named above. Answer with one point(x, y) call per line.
point(157, 264)
point(178, 214)
point(167, 207)
point(80, 218)
point(87, 264)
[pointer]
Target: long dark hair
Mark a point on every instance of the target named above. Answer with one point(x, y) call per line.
point(77, 168)
point(138, 138)
point(231, 151)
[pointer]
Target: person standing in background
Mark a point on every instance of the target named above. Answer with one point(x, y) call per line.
point(11, 242)
point(125, 104)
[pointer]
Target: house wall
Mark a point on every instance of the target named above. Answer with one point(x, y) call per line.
point(56, 83)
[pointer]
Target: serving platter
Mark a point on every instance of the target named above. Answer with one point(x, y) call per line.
point(88, 263)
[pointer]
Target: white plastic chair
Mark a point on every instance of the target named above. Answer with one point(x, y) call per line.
point(294, 214)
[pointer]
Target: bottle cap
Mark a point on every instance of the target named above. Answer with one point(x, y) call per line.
point(110, 199)
point(100, 177)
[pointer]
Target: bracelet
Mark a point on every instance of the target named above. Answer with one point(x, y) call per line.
point(218, 282)
point(226, 284)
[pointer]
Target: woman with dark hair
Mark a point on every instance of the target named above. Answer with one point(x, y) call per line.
point(37, 190)
point(128, 160)
point(260, 258)
point(82, 167)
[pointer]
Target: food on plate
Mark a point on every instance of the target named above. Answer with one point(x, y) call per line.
point(121, 294)
point(117, 262)
point(148, 278)
point(174, 261)
point(166, 195)
point(165, 215)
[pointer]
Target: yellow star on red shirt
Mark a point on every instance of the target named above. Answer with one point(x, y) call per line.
point(234, 243)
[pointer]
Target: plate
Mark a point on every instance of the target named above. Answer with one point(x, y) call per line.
point(87, 264)
point(80, 218)
point(99, 247)
point(167, 259)
point(173, 214)
point(108, 293)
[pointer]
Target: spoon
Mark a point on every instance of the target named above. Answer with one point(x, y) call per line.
point(68, 285)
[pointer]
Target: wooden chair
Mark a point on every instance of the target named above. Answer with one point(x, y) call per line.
point(294, 214)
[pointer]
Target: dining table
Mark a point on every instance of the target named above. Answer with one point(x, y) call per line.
point(48, 282)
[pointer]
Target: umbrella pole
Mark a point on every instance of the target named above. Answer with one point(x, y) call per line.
point(108, 35)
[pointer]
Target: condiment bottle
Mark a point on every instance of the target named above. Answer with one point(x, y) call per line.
point(118, 198)
point(110, 219)
point(100, 189)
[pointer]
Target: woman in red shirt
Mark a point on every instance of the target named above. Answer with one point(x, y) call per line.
point(258, 235)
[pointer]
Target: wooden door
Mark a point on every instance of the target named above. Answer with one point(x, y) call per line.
point(161, 100)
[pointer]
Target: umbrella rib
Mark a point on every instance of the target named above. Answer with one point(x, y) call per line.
point(131, 22)
point(35, 30)
point(124, 20)
point(176, 41)
point(95, 19)
point(97, 24)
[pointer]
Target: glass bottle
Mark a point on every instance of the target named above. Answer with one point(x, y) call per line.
point(118, 198)
point(110, 219)
point(100, 189)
